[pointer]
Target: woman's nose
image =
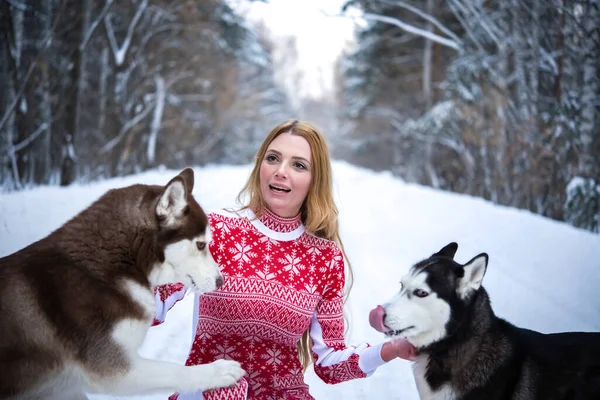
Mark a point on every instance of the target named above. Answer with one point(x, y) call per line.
point(281, 171)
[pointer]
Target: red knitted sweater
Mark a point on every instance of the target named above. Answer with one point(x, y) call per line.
point(279, 281)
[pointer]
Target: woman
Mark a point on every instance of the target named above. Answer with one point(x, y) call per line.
point(281, 307)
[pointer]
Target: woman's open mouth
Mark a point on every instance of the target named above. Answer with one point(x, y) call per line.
point(279, 189)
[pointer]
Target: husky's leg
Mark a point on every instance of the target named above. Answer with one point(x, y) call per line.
point(146, 376)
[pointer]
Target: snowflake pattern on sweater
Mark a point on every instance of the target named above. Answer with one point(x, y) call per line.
point(279, 282)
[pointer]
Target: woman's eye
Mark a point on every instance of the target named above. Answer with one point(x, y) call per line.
point(271, 158)
point(420, 293)
point(300, 166)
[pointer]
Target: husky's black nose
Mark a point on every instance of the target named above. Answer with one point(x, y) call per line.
point(219, 281)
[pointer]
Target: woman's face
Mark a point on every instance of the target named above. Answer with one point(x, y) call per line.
point(285, 174)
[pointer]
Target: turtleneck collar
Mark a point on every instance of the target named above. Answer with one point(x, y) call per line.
point(276, 227)
point(280, 224)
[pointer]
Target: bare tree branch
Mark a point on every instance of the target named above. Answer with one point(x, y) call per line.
point(130, 124)
point(485, 23)
point(17, 147)
point(46, 43)
point(412, 29)
point(119, 53)
point(426, 17)
point(95, 25)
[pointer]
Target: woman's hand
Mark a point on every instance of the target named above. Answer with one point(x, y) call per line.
point(398, 348)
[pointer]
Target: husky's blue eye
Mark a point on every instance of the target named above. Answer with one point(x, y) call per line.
point(420, 293)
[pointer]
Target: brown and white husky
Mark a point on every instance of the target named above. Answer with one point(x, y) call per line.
point(76, 305)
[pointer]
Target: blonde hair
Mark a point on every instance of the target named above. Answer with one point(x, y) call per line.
point(318, 212)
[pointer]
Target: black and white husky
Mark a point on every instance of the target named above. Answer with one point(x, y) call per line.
point(466, 352)
point(76, 305)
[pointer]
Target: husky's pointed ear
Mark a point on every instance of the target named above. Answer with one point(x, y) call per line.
point(448, 250)
point(473, 274)
point(173, 202)
point(188, 179)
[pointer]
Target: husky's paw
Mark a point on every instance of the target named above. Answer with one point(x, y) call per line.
point(218, 374)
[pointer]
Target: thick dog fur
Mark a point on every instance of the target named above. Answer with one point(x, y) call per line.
point(76, 305)
point(466, 352)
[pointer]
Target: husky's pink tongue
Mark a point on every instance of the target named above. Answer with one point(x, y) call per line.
point(376, 319)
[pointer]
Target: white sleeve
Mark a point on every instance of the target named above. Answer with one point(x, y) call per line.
point(369, 356)
point(163, 306)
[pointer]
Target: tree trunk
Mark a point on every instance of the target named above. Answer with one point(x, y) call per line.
point(68, 171)
point(427, 94)
point(560, 48)
point(16, 126)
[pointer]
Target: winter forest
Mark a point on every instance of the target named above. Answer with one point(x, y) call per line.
point(498, 99)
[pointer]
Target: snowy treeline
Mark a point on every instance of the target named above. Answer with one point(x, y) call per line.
point(495, 98)
point(98, 88)
point(498, 99)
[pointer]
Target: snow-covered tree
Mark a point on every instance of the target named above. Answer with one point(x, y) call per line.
point(582, 207)
point(103, 88)
point(512, 114)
